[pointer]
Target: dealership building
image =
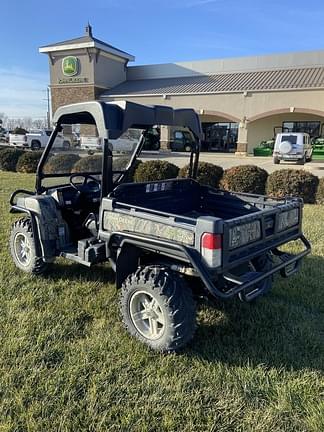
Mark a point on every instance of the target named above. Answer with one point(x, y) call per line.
point(240, 101)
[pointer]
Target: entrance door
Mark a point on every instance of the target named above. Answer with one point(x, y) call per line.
point(220, 137)
point(310, 127)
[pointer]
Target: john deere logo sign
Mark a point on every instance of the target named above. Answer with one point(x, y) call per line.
point(70, 66)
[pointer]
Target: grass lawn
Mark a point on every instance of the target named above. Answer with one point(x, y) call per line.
point(66, 363)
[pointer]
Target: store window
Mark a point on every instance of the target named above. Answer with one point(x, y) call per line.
point(220, 136)
point(310, 127)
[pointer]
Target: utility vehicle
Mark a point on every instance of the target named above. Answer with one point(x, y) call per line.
point(37, 139)
point(293, 146)
point(169, 242)
point(93, 144)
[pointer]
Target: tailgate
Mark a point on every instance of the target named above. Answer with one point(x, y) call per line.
point(253, 234)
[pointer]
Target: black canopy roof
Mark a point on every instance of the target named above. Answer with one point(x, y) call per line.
point(114, 118)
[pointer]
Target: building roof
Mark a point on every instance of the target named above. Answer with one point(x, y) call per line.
point(86, 41)
point(281, 79)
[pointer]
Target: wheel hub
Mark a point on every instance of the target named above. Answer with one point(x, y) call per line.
point(22, 249)
point(147, 315)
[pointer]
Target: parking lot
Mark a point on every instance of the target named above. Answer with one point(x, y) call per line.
point(226, 160)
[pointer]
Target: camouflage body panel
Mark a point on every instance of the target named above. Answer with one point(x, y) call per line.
point(48, 219)
point(122, 222)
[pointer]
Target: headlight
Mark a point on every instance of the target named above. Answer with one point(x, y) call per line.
point(244, 234)
point(288, 219)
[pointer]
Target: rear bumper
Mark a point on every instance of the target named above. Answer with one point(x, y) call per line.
point(287, 266)
point(292, 157)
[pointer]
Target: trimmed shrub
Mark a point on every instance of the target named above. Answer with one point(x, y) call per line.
point(155, 170)
point(94, 163)
point(27, 163)
point(208, 174)
point(245, 178)
point(320, 191)
point(61, 163)
point(9, 159)
point(91, 163)
point(297, 183)
point(19, 131)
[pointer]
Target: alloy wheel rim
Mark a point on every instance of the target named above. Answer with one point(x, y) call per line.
point(147, 315)
point(22, 249)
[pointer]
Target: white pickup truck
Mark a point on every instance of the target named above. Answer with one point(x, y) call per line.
point(125, 143)
point(37, 139)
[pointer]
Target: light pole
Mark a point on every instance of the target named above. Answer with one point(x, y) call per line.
point(48, 114)
point(48, 108)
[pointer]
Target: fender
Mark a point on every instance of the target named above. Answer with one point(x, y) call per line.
point(127, 262)
point(32, 216)
point(46, 221)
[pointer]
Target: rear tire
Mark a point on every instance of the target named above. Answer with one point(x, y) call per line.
point(156, 146)
point(187, 148)
point(302, 161)
point(23, 248)
point(158, 308)
point(35, 145)
point(276, 161)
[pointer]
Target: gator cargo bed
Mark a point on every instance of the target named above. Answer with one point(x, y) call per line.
point(185, 197)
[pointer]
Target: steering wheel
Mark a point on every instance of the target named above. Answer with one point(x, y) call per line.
point(84, 186)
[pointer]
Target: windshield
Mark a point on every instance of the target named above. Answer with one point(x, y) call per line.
point(73, 154)
point(78, 149)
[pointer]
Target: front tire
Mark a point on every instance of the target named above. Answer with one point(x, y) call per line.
point(23, 248)
point(158, 308)
point(66, 145)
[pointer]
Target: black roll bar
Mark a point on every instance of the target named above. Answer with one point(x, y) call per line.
point(40, 166)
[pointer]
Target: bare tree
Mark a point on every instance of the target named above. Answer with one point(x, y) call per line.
point(27, 123)
point(4, 119)
point(38, 124)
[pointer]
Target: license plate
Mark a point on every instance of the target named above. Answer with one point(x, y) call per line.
point(244, 234)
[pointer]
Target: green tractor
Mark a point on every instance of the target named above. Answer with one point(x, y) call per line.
point(318, 146)
point(265, 148)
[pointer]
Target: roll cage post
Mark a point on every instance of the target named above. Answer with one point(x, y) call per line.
point(107, 170)
point(107, 184)
point(39, 171)
point(194, 160)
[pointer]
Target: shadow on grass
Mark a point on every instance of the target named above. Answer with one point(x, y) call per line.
point(77, 272)
point(284, 329)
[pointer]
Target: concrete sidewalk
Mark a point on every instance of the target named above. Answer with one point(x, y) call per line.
point(227, 160)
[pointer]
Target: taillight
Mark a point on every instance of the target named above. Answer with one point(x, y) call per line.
point(211, 249)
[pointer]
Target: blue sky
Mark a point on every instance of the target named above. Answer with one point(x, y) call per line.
point(155, 31)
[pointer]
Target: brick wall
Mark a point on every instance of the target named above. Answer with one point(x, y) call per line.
point(67, 95)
